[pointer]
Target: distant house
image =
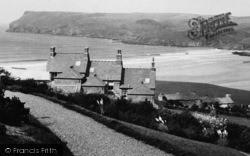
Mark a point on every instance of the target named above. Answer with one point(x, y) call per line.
point(225, 101)
point(75, 72)
point(193, 98)
point(181, 98)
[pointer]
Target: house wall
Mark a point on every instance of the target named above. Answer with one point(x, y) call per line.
point(138, 98)
point(68, 88)
point(116, 87)
point(88, 90)
point(67, 81)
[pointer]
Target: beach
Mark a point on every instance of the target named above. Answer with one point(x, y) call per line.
point(213, 66)
point(27, 70)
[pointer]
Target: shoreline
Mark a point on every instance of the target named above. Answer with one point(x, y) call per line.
point(213, 66)
point(115, 40)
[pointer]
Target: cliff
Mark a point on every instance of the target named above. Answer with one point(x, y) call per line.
point(133, 28)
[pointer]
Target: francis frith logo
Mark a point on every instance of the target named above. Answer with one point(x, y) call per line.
point(211, 27)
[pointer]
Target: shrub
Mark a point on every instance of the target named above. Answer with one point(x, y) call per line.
point(140, 113)
point(7, 79)
point(12, 111)
point(238, 137)
point(238, 109)
point(2, 130)
point(32, 86)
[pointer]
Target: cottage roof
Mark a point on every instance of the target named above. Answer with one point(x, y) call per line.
point(141, 89)
point(135, 76)
point(207, 99)
point(224, 100)
point(180, 96)
point(106, 70)
point(61, 61)
point(70, 73)
point(93, 81)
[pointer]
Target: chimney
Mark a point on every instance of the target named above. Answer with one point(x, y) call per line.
point(119, 57)
point(52, 52)
point(153, 64)
point(86, 53)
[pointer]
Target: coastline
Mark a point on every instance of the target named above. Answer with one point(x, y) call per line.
point(214, 66)
point(26, 70)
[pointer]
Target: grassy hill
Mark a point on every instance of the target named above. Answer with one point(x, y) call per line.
point(202, 89)
point(134, 28)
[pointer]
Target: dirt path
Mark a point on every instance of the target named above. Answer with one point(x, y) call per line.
point(85, 137)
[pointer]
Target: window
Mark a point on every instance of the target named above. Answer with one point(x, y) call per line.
point(91, 70)
point(78, 63)
point(124, 92)
point(146, 80)
point(110, 86)
point(52, 76)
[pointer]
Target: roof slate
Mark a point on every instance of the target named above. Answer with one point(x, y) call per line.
point(106, 70)
point(62, 61)
point(141, 89)
point(93, 81)
point(135, 76)
point(180, 96)
point(70, 73)
point(224, 100)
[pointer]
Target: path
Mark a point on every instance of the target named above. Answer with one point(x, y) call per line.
point(85, 137)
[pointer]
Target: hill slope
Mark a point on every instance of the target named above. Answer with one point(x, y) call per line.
point(135, 28)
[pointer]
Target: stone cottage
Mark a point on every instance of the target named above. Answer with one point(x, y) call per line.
point(76, 72)
point(225, 102)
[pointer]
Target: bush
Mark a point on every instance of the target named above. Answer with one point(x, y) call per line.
point(238, 109)
point(2, 130)
point(140, 113)
point(12, 111)
point(238, 137)
point(7, 79)
point(245, 140)
point(32, 86)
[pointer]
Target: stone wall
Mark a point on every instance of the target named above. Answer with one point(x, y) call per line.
point(66, 81)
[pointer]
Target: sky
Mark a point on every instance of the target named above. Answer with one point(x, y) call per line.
point(11, 10)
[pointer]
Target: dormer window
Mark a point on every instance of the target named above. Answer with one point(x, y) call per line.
point(146, 80)
point(78, 63)
point(91, 70)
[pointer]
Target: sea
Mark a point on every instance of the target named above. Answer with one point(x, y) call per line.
point(25, 47)
point(25, 56)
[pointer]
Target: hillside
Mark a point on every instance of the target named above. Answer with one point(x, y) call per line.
point(202, 89)
point(134, 28)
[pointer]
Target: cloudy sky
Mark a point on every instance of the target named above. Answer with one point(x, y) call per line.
point(13, 9)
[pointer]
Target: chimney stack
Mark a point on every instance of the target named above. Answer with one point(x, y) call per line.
point(153, 64)
point(119, 57)
point(86, 50)
point(86, 53)
point(52, 51)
